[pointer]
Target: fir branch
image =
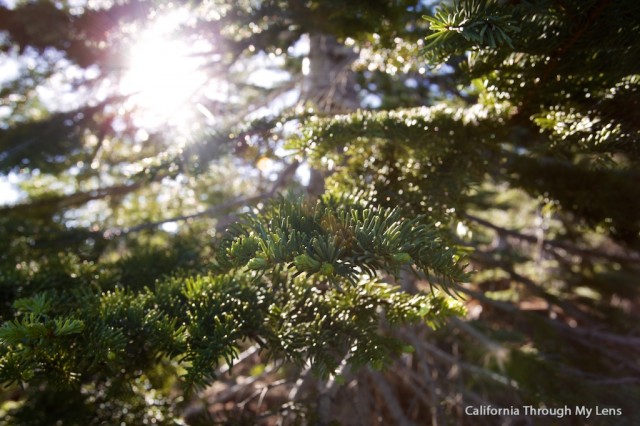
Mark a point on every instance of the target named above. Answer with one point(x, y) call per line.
point(280, 182)
point(631, 258)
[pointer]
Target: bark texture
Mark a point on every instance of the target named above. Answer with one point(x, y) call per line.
point(330, 86)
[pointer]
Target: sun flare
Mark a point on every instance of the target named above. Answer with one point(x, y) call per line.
point(163, 77)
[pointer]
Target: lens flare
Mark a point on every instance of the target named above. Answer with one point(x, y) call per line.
point(163, 78)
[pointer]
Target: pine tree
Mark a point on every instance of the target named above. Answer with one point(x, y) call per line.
point(489, 191)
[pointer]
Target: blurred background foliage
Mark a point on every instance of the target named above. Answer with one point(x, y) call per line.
point(305, 212)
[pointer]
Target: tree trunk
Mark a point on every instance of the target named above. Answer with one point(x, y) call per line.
point(329, 86)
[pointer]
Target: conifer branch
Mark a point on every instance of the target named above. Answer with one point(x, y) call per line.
point(280, 182)
point(584, 334)
point(632, 258)
point(56, 203)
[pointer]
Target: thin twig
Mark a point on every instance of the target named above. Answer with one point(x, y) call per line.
point(391, 402)
point(550, 244)
point(236, 202)
point(617, 339)
point(244, 355)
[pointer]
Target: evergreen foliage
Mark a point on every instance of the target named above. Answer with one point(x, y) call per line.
point(493, 196)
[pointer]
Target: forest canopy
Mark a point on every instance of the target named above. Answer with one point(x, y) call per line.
point(306, 212)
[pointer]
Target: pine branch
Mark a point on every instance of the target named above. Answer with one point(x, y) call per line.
point(632, 258)
point(280, 182)
point(575, 36)
point(566, 306)
point(422, 346)
point(523, 111)
point(57, 203)
point(390, 401)
point(584, 335)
